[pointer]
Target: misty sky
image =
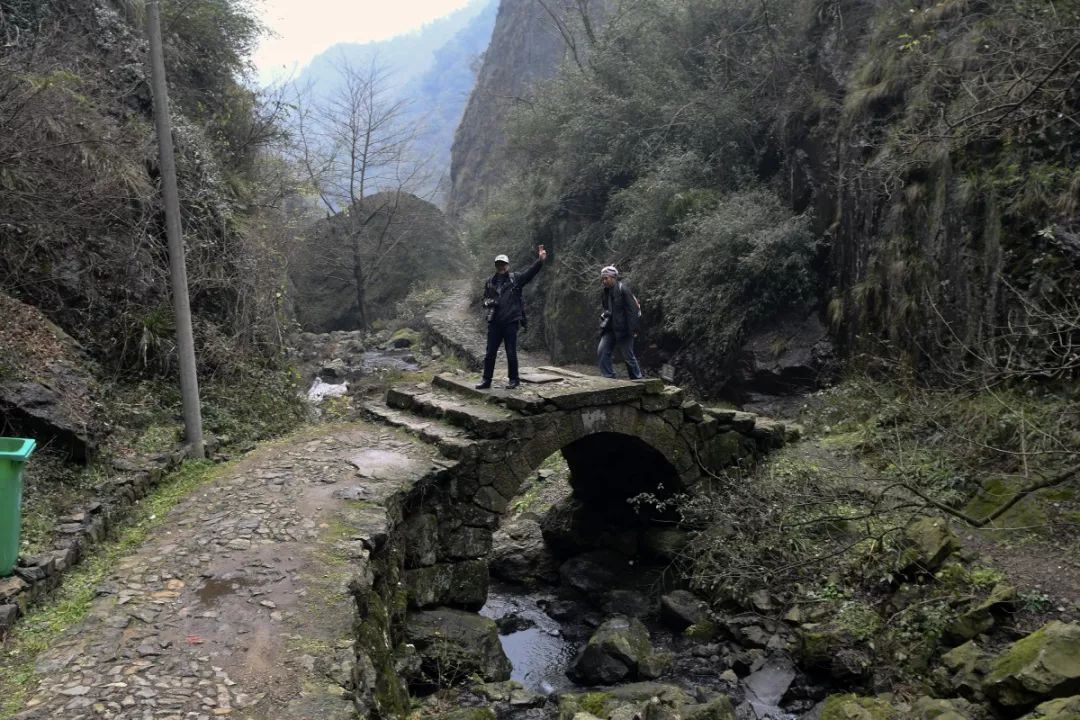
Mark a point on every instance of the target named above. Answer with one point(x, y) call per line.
point(305, 28)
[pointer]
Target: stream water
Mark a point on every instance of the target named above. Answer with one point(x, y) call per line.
point(542, 650)
point(371, 362)
point(539, 651)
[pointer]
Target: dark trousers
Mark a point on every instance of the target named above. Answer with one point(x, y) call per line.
point(499, 334)
point(605, 353)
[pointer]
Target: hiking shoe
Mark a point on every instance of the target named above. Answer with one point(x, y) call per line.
point(486, 385)
point(513, 385)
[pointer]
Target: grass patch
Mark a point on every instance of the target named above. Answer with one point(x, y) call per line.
point(44, 625)
point(53, 487)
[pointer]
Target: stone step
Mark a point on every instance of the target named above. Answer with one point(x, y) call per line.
point(479, 418)
point(452, 441)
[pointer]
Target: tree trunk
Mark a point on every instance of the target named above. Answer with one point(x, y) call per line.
point(359, 280)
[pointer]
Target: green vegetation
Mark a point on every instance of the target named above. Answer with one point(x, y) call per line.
point(694, 145)
point(45, 624)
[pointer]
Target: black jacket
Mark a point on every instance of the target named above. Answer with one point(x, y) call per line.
point(624, 309)
point(506, 290)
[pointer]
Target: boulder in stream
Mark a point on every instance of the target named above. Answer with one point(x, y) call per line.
point(644, 700)
point(454, 645)
point(616, 651)
point(519, 554)
point(592, 574)
point(681, 608)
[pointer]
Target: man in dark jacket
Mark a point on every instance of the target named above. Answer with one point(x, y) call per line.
point(505, 312)
point(619, 324)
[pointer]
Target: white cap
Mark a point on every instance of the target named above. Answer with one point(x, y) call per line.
point(610, 271)
point(502, 258)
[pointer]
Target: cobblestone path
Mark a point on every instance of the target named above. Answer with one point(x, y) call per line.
point(238, 607)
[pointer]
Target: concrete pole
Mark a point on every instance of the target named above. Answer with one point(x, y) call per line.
point(185, 340)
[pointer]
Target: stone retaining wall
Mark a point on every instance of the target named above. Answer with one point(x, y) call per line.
point(37, 575)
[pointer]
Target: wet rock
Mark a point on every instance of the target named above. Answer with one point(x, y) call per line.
point(454, 644)
point(566, 528)
point(631, 603)
point(468, 542)
point(767, 686)
point(513, 623)
point(519, 554)
point(1045, 664)
point(681, 609)
point(511, 692)
point(591, 574)
point(333, 371)
point(562, 610)
point(614, 652)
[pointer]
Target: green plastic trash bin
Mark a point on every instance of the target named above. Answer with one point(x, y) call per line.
point(14, 452)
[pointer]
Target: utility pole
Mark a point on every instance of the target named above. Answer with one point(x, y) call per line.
point(185, 340)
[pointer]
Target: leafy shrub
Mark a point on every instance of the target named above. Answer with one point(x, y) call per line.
point(733, 267)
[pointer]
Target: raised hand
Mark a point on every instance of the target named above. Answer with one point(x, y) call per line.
point(542, 253)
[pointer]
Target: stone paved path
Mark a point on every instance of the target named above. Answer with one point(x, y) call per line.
point(457, 322)
point(238, 607)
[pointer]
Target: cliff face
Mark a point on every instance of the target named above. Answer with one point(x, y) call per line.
point(525, 48)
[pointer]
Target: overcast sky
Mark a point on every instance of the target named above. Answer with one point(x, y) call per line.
point(304, 28)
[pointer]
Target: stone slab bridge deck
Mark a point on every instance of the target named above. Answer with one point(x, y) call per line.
point(619, 438)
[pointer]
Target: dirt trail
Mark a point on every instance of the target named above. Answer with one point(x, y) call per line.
point(239, 608)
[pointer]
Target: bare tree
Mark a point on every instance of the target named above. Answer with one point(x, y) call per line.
point(356, 147)
point(564, 14)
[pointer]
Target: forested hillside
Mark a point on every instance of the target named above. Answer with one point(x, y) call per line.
point(84, 266)
point(905, 174)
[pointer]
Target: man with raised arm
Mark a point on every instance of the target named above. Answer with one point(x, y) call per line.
point(505, 311)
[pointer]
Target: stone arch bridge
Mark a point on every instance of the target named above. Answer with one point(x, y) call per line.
point(433, 518)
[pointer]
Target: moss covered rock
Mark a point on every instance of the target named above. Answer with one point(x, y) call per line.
point(964, 668)
point(930, 541)
point(617, 650)
point(1045, 664)
point(1060, 709)
point(980, 617)
point(643, 699)
point(404, 338)
point(853, 707)
point(476, 713)
point(455, 645)
point(927, 708)
point(832, 647)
